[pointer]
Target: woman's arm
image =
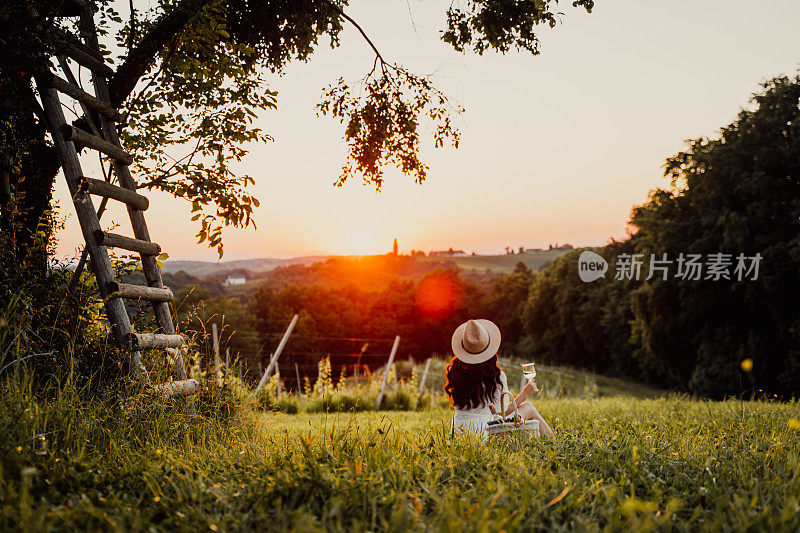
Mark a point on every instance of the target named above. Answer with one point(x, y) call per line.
point(526, 393)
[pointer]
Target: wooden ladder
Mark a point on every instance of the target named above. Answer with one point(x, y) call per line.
point(102, 118)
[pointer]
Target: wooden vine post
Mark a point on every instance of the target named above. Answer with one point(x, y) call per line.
point(274, 359)
point(386, 372)
point(215, 347)
point(424, 376)
point(278, 374)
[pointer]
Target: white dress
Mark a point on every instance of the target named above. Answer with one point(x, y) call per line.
point(474, 420)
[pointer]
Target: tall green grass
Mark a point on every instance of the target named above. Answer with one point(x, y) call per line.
point(553, 382)
point(325, 396)
point(74, 462)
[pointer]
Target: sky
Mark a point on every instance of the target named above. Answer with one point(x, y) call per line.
point(555, 148)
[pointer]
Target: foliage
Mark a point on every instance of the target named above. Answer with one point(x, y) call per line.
point(197, 310)
point(502, 25)
point(201, 101)
point(382, 114)
point(191, 75)
point(45, 326)
point(285, 404)
point(506, 304)
point(736, 194)
point(569, 322)
point(25, 157)
point(220, 397)
point(424, 313)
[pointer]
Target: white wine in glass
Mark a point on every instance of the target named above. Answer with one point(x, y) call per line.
point(529, 371)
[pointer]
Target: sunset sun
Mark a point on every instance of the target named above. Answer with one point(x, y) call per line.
point(363, 243)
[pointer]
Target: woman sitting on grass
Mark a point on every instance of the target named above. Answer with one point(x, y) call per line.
point(474, 382)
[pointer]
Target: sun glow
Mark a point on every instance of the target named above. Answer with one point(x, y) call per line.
point(364, 243)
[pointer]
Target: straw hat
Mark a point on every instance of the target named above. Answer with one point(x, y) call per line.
point(476, 341)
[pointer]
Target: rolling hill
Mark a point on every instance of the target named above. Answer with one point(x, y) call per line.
point(504, 263)
point(495, 263)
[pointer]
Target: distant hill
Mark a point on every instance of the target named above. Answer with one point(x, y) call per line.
point(208, 268)
point(495, 263)
point(502, 263)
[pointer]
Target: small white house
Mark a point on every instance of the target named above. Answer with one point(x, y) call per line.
point(235, 281)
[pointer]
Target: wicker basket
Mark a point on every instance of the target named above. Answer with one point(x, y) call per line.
point(516, 428)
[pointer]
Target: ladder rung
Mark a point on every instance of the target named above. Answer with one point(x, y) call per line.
point(121, 194)
point(139, 292)
point(66, 37)
point(85, 59)
point(112, 240)
point(79, 94)
point(149, 341)
point(185, 387)
point(77, 135)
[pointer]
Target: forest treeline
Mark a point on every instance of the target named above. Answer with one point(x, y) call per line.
point(738, 193)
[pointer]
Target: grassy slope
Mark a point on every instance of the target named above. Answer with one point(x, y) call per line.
point(620, 463)
point(206, 268)
point(502, 263)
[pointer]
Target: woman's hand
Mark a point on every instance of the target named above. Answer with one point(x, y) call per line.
point(529, 388)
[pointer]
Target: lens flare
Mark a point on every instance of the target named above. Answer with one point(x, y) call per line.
point(439, 295)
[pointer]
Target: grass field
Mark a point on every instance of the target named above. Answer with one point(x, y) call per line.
point(615, 463)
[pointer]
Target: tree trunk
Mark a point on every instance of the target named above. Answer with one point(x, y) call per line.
point(28, 165)
point(28, 168)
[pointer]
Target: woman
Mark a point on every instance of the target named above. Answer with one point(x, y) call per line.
point(474, 382)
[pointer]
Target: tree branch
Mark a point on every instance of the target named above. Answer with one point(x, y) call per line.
point(132, 34)
point(141, 58)
point(349, 19)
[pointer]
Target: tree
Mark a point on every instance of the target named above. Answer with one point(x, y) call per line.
point(736, 194)
point(571, 322)
point(191, 76)
point(506, 302)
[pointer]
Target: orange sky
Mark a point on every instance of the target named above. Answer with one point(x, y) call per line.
point(555, 148)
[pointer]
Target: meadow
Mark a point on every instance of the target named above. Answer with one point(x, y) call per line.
point(615, 463)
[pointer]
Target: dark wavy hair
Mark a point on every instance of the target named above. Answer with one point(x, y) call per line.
point(472, 386)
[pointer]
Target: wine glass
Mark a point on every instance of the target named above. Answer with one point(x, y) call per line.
point(529, 371)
